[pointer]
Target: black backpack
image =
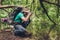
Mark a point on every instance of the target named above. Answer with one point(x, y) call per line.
point(13, 15)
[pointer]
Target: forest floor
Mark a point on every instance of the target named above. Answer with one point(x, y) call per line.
point(10, 36)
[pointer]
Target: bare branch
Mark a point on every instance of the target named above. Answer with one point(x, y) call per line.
point(9, 6)
point(42, 5)
point(52, 3)
point(6, 10)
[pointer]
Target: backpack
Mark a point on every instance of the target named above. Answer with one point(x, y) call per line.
point(13, 15)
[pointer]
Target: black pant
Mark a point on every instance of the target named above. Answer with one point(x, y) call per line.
point(20, 29)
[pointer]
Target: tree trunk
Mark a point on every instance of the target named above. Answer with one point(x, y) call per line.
point(0, 2)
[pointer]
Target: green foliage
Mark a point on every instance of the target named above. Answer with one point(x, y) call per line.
point(40, 23)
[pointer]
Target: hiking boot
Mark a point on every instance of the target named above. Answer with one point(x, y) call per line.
point(27, 34)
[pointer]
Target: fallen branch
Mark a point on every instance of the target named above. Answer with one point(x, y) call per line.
point(9, 6)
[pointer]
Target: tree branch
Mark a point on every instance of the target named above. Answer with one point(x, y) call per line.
point(9, 6)
point(58, 10)
point(46, 12)
point(0, 2)
point(6, 10)
point(42, 5)
point(52, 3)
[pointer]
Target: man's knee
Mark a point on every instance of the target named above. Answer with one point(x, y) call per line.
point(20, 28)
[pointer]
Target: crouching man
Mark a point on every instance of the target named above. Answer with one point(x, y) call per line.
point(22, 19)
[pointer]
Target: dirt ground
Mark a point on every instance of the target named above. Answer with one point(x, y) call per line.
point(10, 36)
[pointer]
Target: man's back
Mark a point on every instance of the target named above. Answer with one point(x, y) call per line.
point(18, 17)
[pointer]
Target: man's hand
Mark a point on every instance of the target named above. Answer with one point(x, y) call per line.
point(27, 17)
point(30, 13)
point(26, 11)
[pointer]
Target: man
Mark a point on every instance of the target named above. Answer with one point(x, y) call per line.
point(21, 19)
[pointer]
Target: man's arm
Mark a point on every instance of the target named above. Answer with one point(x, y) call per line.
point(27, 17)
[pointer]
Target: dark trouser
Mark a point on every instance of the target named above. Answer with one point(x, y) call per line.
point(20, 29)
